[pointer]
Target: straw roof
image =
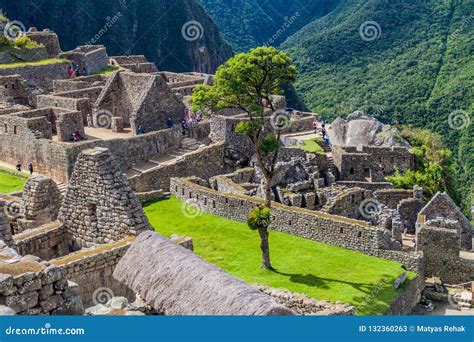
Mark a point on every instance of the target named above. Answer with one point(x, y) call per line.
point(175, 281)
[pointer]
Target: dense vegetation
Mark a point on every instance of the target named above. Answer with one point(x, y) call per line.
point(436, 167)
point(418, 71)
point(304, 266)
point(21, 42)
point(148, 27)
point(250, 23)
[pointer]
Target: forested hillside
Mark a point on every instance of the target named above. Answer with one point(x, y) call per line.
point(250, 23)
point(149, 27)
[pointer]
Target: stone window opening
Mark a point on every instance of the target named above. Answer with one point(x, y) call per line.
point(359, 234)
point(352, 198)
point(176, 188)
point(14, 130)
point(213, 204)
point(5, 127)
point(226, 200)
point(341, 231)
point(92, 212)
point(182, 191)
point(6, 86)
point(289, 223)
point(205, 201)
point(241, 203)
point(352, 171)
point(13, 86)
point(190, 194)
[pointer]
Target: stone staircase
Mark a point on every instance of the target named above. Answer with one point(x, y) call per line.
point(187, 145)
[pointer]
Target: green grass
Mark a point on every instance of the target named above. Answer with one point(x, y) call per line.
point(107, 71)
point(25, 64)
point(11, 183)
point(312, 146)
point(319, 270)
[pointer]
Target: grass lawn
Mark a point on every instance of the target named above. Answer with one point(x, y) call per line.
point(107, 71)
point(316, 269)
point(10, 183)
point(24, 64)
point(312, 146)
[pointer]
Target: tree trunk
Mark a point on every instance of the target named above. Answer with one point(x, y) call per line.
point(264, 246)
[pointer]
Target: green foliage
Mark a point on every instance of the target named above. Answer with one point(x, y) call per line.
point(249, 23)
point(146, 27)
point(246, 81)
point(269, 144)
point(259, 218)
point(25, 43)
point(435, 166)
point(338, 275)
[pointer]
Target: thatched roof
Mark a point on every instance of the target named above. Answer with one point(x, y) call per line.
point(175, 281)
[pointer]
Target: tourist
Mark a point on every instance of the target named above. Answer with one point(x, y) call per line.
point(140, 130)
point(85, 72)
point(170, 123)
point(315, 125)
point(30, 168)
point(77, 71)
point(18, 166)
point(184, 126)
point(71, 72)
point(326, 139)
point(323, 131)
point(89, 120)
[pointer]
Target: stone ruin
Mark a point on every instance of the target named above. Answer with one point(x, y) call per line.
point(339, 196)
point(99, 207)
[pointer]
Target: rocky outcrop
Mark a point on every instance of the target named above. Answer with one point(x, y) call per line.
point(361, 130)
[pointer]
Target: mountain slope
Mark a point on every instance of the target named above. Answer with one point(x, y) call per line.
point(250, 23)
point(149, 27)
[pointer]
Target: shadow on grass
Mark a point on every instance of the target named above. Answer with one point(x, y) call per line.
point(325, 283)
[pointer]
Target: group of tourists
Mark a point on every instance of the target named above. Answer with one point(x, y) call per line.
point(190, 119)
point(77, 136)
point(320, 127)
point(75, 71)
point(30, 167)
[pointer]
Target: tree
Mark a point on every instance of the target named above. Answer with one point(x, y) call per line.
point(248, 82)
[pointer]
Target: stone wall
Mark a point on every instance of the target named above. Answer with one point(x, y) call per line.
point(46, 242)
point(91, 57)
point(30, 288)
point(442, 206)
point(372, 186)
point(99, 205)
point(14, 90)
point(41, 200)
point(92, 270)
point(81, 105)
point(392, 197)
point(405, 302)
point(5, 230)
point(348, 203)
point(439, 242)
point(47, 38)
point(314, 225)
point(40, 75)
point(23, 55)
point(205, 163)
